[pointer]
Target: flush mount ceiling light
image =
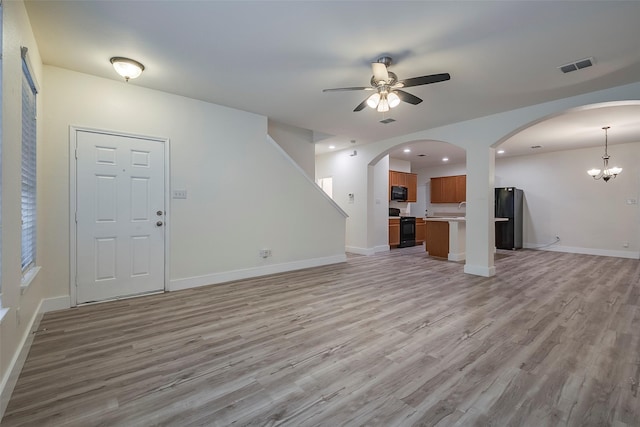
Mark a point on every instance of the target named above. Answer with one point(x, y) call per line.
point(127, 68)
point(606, 173)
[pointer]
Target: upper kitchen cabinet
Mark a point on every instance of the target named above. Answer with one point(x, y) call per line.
point(449, 189)
point(404, 179)
point(412, 187)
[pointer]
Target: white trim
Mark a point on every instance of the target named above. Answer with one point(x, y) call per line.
point(480, 270)
point(381, 248)
point(586, 251)
point(307, 177)
point(55, 303)
point(20, 356)
point(73, 144)
point(3, 313)
point(17, 362)
point(360, 251)
point(456, 257)
point(28, 278)
point(228, 276)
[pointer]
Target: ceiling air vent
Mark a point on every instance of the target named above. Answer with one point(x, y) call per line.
point(387, 121)
point(577, 65)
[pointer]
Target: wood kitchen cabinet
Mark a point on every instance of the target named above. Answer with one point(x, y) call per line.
point(394, 232)
point(437, 238)
point(404, 179)
point(421, 231)
point(449, 189)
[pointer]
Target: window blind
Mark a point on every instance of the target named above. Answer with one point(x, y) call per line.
point(28, 167)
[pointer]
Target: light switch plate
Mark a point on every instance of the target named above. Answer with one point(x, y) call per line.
point(179, 194)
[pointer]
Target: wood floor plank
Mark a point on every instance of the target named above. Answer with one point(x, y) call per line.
point(394, 339)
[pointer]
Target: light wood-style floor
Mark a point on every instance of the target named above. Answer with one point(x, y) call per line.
point(394, 339)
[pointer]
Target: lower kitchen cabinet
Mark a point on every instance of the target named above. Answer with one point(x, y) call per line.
point(394, 232)
point(421, 230)
point(437, 238)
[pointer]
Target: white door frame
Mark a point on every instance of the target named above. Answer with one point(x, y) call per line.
point(73, 143)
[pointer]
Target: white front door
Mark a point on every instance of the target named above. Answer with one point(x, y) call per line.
point(120, 215)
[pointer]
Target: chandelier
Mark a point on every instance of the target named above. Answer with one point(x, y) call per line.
point(607, 172)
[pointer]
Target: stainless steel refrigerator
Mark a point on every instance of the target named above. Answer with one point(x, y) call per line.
point(509, 205)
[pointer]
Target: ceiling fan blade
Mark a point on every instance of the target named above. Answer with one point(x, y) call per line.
point(380, 72)
point(361, 106)
point(424, 80)
point(340, 89)
point(407, 97)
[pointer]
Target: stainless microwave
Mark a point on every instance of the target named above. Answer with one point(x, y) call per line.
point(398, 193)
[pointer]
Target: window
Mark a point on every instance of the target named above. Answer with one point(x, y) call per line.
point(28, 166)
point(327, 185)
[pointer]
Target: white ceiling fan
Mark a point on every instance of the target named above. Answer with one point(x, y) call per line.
point(388, 89)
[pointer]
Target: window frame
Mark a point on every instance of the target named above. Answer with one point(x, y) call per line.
point(28, 170)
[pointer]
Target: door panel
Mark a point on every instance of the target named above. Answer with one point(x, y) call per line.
point(119, 192)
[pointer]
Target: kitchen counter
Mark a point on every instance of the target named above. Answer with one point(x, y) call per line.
point(456, 236)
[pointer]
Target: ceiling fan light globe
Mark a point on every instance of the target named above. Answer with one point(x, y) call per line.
point(615, 170)
point(393, 99)
point(593, 172)
point(373, 100)
point(383, 106)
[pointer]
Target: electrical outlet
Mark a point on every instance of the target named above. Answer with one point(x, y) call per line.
point(265, 253)
point(625, 244)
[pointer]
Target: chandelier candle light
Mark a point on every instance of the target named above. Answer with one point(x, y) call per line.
point(607, 172)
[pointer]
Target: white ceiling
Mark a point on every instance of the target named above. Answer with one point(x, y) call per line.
point(275, 57)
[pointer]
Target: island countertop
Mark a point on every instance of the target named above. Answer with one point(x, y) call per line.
point(456, 218)
point(448, 240)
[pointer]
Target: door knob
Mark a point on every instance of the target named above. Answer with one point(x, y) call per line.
point(159, 224)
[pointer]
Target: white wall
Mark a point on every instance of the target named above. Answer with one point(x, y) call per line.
point(349, 178)
point(381, 205)
point(560, 199)
point(298, 143)
point(243, 192)
point(477, 137)
point(20, 308)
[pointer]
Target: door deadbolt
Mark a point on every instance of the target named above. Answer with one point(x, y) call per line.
point(159, 213)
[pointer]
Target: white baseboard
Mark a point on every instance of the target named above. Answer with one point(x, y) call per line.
point(17, 362)
point(381, 248)
point(586, 251)
point(360, 251)
point(480, 270)
point(228, 276)
point(55, 304)
point(456, 257)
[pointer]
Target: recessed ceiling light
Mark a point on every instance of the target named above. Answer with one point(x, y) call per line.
point(445, 159)
point(407, 150)
point(422, 155)
point(500, 151)
point(331, 147)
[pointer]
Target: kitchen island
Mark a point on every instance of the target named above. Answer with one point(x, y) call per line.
point(446, 237)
